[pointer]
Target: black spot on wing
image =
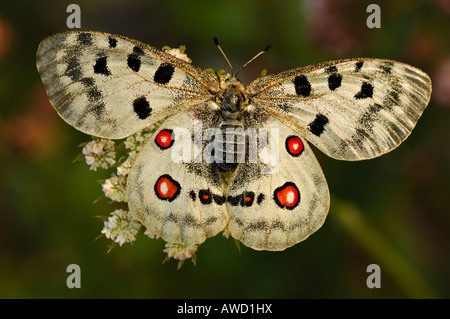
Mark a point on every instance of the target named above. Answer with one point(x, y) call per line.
point(164, 73)
point(359, 65)
point(192, 195)
point(101, 66)
point(112, 42)
point(138, 50)
point(85, 38)
point(318, 125)
point(366, 91)
point(331, 69)
point(235, 200)
point(142, 108)
point(210, 221)
point(334, 81)
point(302, 86)
point(134, 60)
point(219, 199)
point(260, 199)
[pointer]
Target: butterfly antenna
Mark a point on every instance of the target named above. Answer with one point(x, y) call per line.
point(263, 51)
point(216, 42)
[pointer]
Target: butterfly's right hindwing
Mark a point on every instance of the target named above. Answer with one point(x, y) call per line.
point(111, 86)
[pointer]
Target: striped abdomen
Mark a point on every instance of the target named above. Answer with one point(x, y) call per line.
point(230, 147)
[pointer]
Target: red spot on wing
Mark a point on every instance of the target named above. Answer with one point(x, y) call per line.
point(205, 196)
point(294, 145)
point(164, 139)
point(166, 188)
point(287, 196)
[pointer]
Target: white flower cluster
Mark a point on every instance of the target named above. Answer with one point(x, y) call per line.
point(136, 141)
point(125, 168)
point(134, 144)
point(115, 188)
point(121, 227)
point(99, 153)
point(180, 252)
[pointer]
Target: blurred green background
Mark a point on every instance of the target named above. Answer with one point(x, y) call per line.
point(392, 211)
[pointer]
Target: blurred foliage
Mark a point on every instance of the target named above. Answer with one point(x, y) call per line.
point(392, 211)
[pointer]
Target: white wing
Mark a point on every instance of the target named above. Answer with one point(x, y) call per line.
point(350, 109)
point(110, 86)
point(181, 202)
point(274, 205)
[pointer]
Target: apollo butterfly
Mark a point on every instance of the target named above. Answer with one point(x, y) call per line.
point(245, 167)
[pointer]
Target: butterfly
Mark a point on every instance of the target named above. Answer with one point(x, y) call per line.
point(229, 158)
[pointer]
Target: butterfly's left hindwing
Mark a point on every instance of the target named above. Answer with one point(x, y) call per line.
point(180, 202)
point(283, 198)
point(111, 86)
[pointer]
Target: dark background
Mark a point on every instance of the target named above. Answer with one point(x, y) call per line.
point(392, 211)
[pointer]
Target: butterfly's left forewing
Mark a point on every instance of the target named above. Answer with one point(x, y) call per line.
point(111, 86)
